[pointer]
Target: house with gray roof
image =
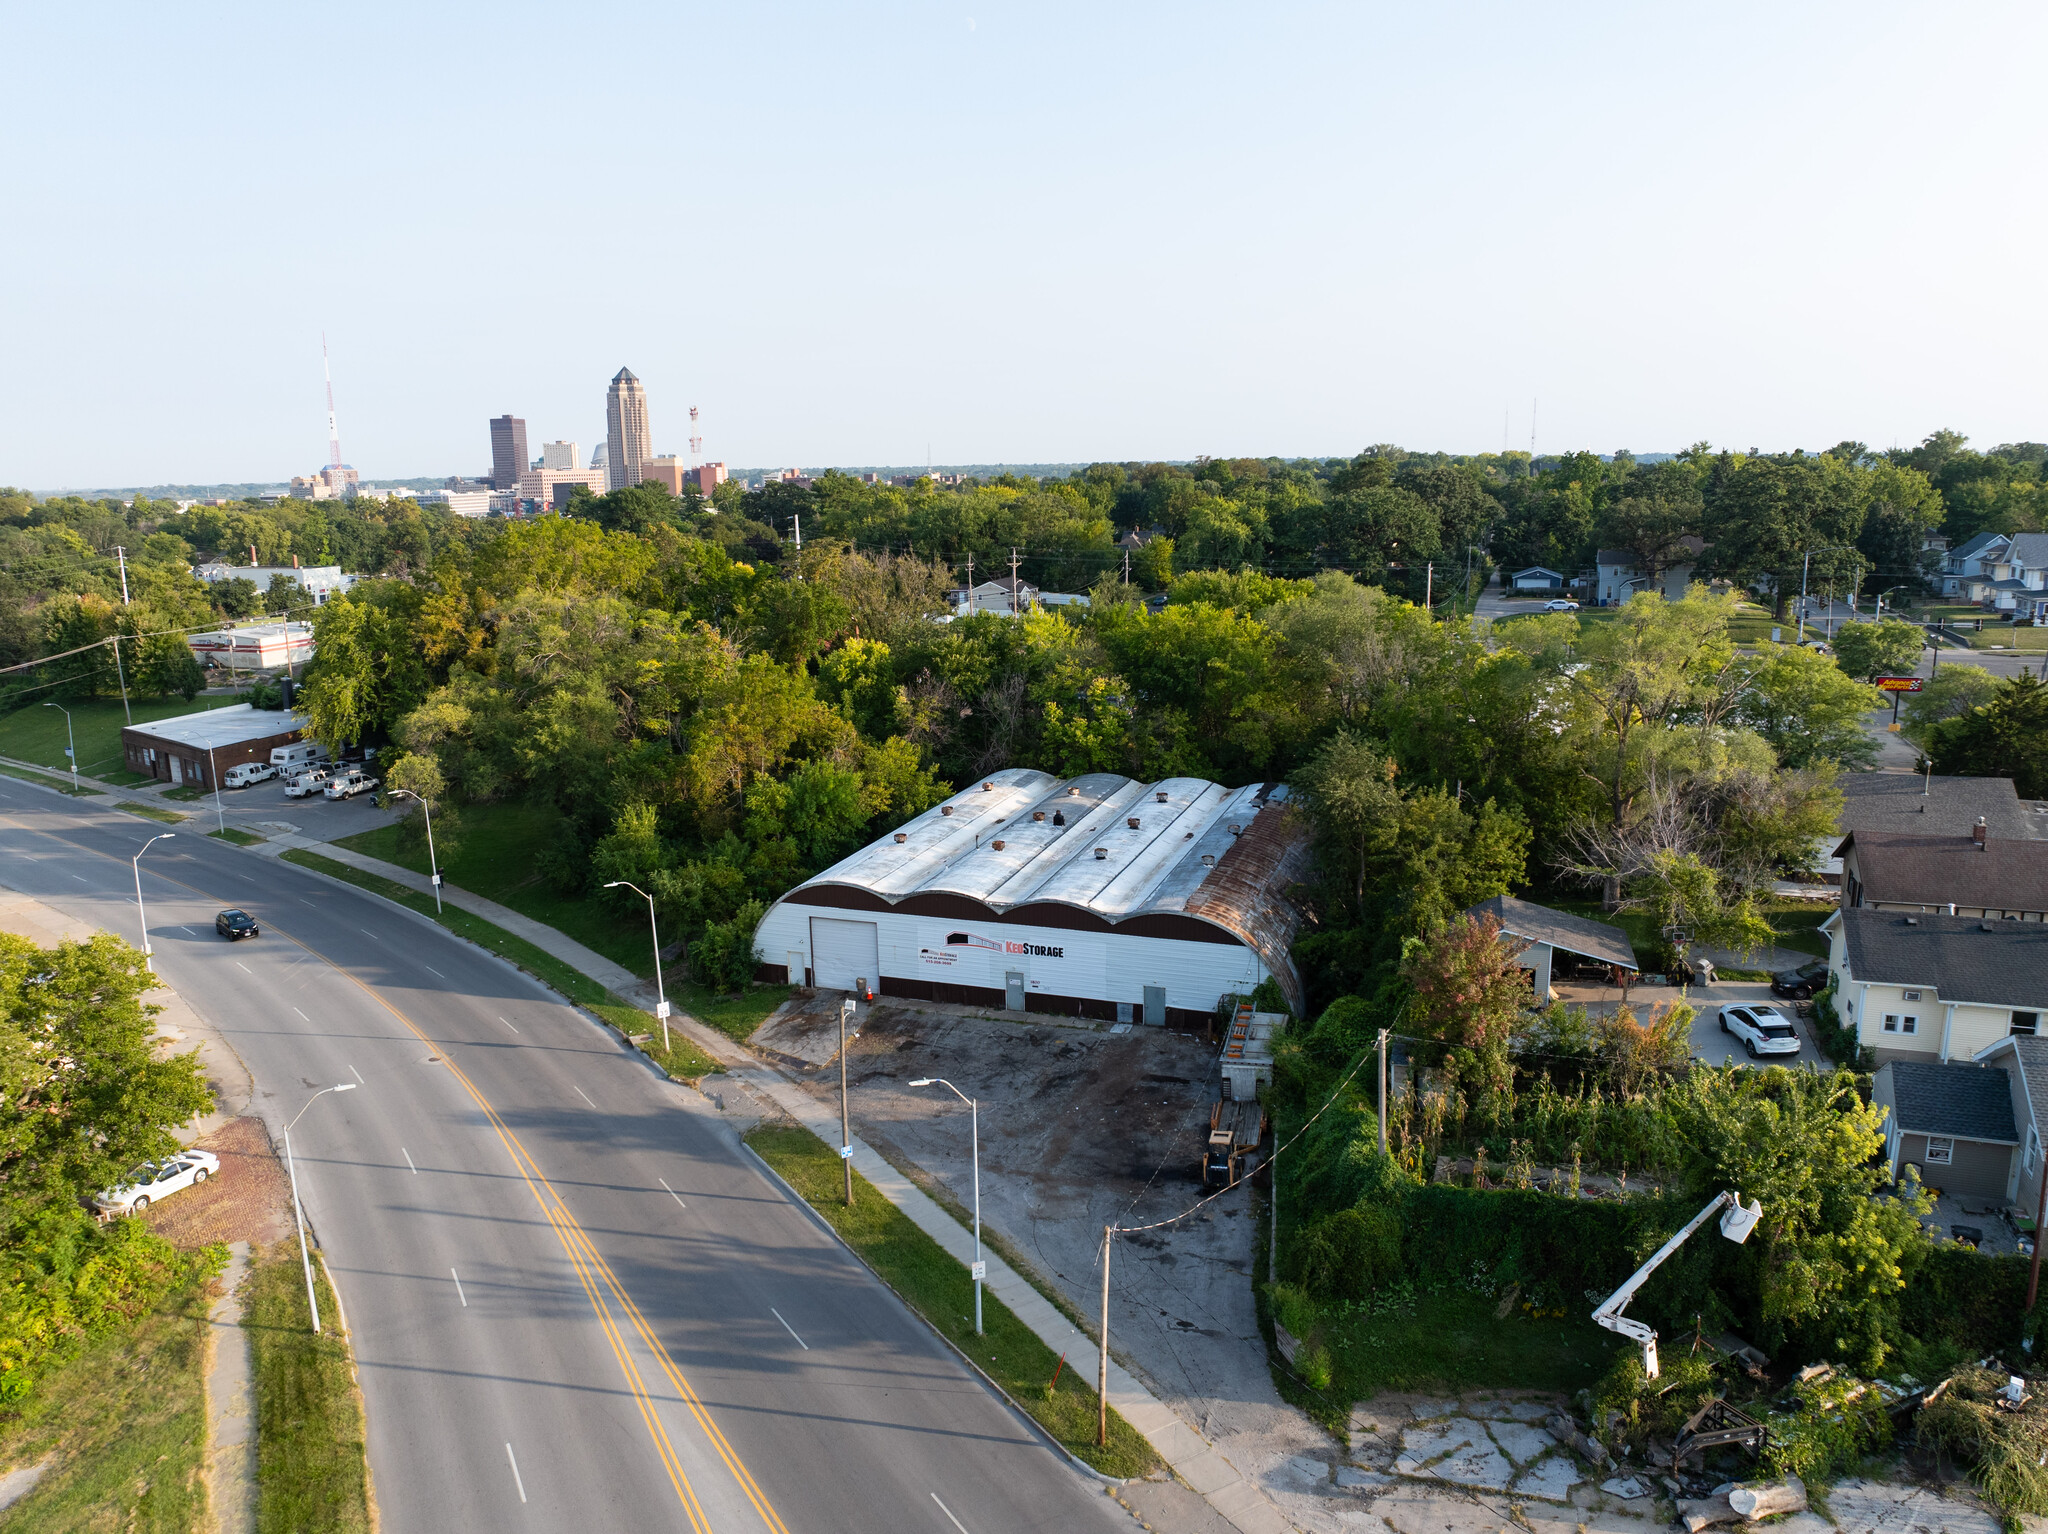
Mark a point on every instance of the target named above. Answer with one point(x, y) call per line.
point(1922, 987)
point(2006, 572)
point(2023, 1059)
point(1954, 1122)
point(1974, 875)
point(1549, 933)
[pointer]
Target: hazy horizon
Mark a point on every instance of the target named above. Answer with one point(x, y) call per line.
point(1001, 233)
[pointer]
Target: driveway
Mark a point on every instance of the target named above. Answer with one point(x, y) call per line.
point(1708, 1042)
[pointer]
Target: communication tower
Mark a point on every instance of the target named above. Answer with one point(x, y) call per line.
point(333, 431)
point(696, 442)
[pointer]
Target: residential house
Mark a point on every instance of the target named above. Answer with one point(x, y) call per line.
point(1549, 933)
point(1935, 987)
point(2005, 572)
point(1954, 1122)
point(1006, 594)
point(1927, 806)
point(1617, 575)
point(1536, 578)
point(1975, 875)
point(2023, 1058)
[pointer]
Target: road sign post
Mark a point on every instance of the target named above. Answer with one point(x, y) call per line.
point(1896, 685)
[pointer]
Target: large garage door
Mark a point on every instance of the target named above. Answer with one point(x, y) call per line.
point(843, 952)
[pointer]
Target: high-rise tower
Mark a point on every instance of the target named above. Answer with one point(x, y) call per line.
point(628, 442)
point(508, 451)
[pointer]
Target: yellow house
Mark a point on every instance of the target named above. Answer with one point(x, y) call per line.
point(1927, 987)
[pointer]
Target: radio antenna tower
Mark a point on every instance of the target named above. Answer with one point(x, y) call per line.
point(333, 431)
point(696, 442)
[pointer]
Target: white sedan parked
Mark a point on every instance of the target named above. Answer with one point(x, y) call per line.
point(1560, 605)
point(158, 1179)
point(1763, 1029)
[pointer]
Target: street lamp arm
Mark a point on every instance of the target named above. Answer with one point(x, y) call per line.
point(940, 1081)
point(345, 1086)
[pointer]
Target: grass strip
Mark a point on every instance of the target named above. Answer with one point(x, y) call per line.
point(939, 1289)
point(126, 1420)
point(153, 812)
point(44, 778)
point(684, 1061)
point(236, 835)
point(312, 1475)
point(185, 794)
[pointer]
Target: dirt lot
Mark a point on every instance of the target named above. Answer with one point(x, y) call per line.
point(1081, 1127)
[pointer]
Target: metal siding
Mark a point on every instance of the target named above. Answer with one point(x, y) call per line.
point(843, 952)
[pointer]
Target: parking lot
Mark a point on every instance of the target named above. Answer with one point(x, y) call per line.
point(263, 805)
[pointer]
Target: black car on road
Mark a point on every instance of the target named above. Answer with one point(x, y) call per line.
point(234, 924)
point(1800, 984)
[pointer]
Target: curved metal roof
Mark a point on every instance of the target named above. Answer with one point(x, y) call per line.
point(1103, 845)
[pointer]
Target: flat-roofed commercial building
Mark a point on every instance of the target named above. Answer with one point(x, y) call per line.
point(193, 747)
point(254, 646)
point(1092, 897)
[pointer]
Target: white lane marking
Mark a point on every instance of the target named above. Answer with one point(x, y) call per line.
point(522, 1485)
point(308, 1019)
point(942, 1508)
point(81, 878)
point(245, 969)
point(804, 1345)
point(508, 1025)
point(351, 1070)
point(366, 932)
point(408, 1159)
point(458, 1288)
point(304, 901)
point(188, 932)
point(671, 1191)
point(582, 1094)
point(431, 970)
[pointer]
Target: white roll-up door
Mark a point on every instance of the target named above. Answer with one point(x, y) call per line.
point(843, 952)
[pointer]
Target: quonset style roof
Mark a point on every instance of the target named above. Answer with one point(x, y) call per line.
point(1179, 858)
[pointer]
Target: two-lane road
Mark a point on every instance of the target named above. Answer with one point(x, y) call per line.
point(574, 1299)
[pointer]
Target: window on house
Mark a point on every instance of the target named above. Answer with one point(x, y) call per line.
point(1940, 1152)
point(2026, 1022)
point(1891, 1022)
point(1895, 1022)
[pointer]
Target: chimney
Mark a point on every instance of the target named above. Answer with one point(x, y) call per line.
point(1978, 833)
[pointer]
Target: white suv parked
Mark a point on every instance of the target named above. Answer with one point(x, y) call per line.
point(1763, 1029)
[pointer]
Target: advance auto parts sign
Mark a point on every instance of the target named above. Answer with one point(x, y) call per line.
point(1066, 965)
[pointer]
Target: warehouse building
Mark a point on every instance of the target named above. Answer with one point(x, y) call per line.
point(1092, 897)
point(193, 748)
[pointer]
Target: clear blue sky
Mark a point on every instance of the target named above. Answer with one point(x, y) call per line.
point(1013, 232)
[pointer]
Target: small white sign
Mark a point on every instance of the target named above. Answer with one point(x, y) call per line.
point(437, 878)
point(977, 1271)
point(661, 1010)
point(846, 1153)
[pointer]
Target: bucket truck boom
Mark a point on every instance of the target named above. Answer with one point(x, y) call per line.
point(1736, 1224)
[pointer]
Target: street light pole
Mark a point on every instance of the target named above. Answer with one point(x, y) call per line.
point(70, 741)
point(432, 861)
point(661, 1004)
point(298, 1213)
point(219, 815)
point(141, 915)
point(980, 1268)
point(845, 1117)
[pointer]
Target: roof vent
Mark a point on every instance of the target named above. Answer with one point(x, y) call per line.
point(1131, 821)
point(1208, 860)
point(997, 845)
point(1101, 853)
point(1912, 921)
point(988, 788)
point(1038, 814)
point(1058, 819)
point(1159, 794)
point(945, 809)
point(901, 838)
point(1236, 829)
point(1985, 926)
point(1073, 792)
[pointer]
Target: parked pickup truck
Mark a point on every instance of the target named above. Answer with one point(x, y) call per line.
point(346, 785)
point(307, 783)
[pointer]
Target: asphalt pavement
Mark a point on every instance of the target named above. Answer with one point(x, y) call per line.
point(574, 1297)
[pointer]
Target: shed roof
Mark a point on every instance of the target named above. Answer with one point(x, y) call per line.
point(1892, 801)
point(1966, 1102)
point(1964, 958)
point(1105, 847)
point(230, 726)
point(1899, 869)
point(1574, 934)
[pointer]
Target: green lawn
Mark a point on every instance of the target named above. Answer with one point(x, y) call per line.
point(312, 1476)
point(238, 836)
point(46, 779)
point(684, 1059)
point(1794, 922)
point(154, 812)
point(1453, 1341)
point(126, 1420)
point(939, 1289)
point(495, 859)
point(36, 734)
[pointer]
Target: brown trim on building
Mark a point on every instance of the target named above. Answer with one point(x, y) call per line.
point(1066, 918)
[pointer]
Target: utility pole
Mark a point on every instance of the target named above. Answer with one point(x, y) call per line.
point(1429, 586)
point(1383, 1090)
point(122, 672)
point(1015, 611)
point(1805, 564)
point(121, 556)
point(970, 583)
point(1127, 567)
point(845, 1123)
point(1102, 1367)
point(796, 520)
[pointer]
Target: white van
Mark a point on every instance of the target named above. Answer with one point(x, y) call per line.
point(247, 773)
point(290, 759)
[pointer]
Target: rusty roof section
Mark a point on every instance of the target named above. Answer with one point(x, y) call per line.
point(1250, 891)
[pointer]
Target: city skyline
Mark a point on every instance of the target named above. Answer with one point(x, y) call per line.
point(1088, 234)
